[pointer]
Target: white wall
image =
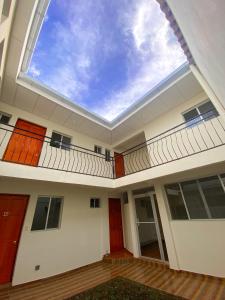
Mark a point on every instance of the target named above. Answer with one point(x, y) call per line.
point(200, 246)
point(77, 138)
point(82, 238)
point(174, 117)
point(5, 27)
point(192, 245)
point(202, 23)
point(127, 228)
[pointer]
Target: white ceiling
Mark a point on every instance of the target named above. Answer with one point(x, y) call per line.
point(48, 106)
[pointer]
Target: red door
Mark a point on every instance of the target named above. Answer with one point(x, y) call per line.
point(25, 144)
point(115, 225)
point(12, 212)
point(119, 165)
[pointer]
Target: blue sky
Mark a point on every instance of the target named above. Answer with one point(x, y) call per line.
point(104, 55)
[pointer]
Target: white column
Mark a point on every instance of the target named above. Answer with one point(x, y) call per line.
point(168, 234)
point(1, 7)
point(133, 225)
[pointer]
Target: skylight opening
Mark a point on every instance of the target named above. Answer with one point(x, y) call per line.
point(104, 55)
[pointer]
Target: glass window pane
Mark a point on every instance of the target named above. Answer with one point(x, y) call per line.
point(40, 214)
point(223, 178)
point(149, 245)
point(54, 213)
point(107, 155)
point(98, 149)
point(66, 141)
point(192, 117)
point(56, 140)
point(144, 209)
point(4, 119)
point(176, 203)
point(194, 200)
point(208, 110)
point(215, 196)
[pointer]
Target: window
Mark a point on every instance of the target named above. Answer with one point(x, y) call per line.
point(202, 112)
point(4, 118)
point(94, 203)
point(107, 155)
point(47, 213)
point(6, 9)
point(202, 199)
point(214, 195)
point(176, 203)
point(222, 176)
point(60, 141)
point(98, 149)
point(194, 200)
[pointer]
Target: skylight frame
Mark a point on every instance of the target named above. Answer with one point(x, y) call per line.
point(44, 90)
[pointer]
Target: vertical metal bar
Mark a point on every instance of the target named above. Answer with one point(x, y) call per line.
point(222, 183)
point(46, 223)
point(158, 233)
point(185, 204)
point(204, 200)
point(173, 147)
point(215, 131)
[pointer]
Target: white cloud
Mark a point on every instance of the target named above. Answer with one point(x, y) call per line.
point(34, 71)
point(46, 18)
point(157, 56)
point(66, 82)
point(74, 70)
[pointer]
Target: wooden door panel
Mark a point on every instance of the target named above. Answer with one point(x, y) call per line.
point(115, 225)
point(25, 144)
point(119, 165)
point(12, 212)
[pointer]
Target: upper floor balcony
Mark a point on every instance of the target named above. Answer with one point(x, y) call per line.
point(26, 144)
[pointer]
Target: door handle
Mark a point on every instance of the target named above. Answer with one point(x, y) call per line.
point(14, 242)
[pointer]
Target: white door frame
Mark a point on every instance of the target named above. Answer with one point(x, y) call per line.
point(156, 222)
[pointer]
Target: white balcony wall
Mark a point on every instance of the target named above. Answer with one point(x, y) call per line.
point(136, 160)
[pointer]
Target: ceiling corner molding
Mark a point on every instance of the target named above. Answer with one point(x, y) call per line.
point(176, 29)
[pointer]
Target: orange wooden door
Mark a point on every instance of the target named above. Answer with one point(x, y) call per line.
point(115, 225)
point(119, 165)
point(12, 212)
point(25, 144)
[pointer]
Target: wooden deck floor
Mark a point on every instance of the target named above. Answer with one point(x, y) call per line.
point(156, 275)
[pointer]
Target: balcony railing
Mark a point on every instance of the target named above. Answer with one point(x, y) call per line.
point(24, 147)
point(200, 134)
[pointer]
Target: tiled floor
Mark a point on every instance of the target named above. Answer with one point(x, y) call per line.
point(156, 275)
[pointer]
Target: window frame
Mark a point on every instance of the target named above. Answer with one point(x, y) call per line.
point(95, 198)
point(46, 221)
point(210, 218)
point(189, 123)
point(97, 147)
point(61, 143)
point(107, 155)
point(2, 113)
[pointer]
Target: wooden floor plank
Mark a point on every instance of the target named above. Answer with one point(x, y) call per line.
point(188, 285)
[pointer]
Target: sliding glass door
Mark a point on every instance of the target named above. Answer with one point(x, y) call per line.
point(150, 232)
